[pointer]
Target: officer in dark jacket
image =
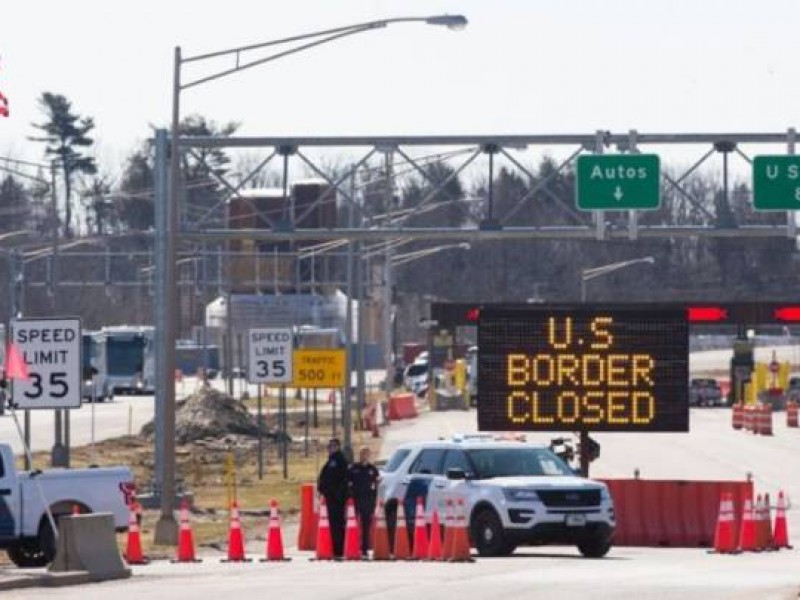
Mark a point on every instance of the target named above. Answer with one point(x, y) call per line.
point(364, 488)
point(333, 483)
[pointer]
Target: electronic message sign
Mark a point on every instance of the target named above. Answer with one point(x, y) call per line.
point(574, 367)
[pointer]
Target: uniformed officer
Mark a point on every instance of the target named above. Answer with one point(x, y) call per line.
point(333, 484)
point(364, 489)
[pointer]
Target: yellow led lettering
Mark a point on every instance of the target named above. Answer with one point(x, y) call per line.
point(642, 369)
point(593, 370)
point(552, 334)
point(643, 407)
point(517, 407)
point(601, 329)
point(537, 418)
point(517, 369)
point(568, 407)
point(568, 364)
point(617, 406)
point(547, 377)
point(616, 370)
point(592, 407)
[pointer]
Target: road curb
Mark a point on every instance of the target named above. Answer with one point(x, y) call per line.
point(46, 580)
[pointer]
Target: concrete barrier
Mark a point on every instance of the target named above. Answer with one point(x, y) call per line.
point(89, 543)
point(449, 400)
point(678, 514)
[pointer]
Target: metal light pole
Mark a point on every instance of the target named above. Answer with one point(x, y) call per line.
point(595, 272)
point(588, 275)
point(393, 261)
point(166, 230)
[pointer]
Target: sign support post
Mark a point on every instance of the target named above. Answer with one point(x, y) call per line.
point(260, 422)
point(284, 433)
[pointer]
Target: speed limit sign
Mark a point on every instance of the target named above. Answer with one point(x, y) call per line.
point(51, 349)
point(270, 355)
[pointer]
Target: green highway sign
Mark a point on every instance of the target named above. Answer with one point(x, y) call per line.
point(776, 182)
point(618, 182)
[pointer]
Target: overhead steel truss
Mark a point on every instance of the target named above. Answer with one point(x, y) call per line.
point(398, 149)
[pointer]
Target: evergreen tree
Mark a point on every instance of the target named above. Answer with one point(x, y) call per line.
point(66, 134)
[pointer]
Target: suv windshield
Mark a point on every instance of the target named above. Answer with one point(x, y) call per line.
point(517, 462)
point(397, 458)
point(416, 370)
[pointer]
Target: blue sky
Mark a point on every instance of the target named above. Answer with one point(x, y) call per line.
point(519, 67)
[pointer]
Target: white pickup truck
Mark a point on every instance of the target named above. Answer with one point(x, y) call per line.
point(25, 531)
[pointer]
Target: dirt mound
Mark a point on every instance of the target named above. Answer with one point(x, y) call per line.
point(206, 414)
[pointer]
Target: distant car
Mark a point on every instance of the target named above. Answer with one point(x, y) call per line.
point(415, 377)
point(705, 392)
point(793, 391)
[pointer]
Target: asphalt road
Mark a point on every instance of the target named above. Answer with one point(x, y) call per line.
point(629, 573)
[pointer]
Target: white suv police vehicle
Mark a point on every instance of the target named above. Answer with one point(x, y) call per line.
point(514, 494)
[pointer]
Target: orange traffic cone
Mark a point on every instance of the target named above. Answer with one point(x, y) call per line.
point(724, 539)
point(380, 538)
point(324, 541)
point(781, 533)
point(420, 532)
point(435, 542)
point(274, 536)
point(402, 551)
point(352, 541)
point(449, 522)
point(747, 534)
point(133, 549)
point(235, 538)
point(185, 538)
point(460, 536)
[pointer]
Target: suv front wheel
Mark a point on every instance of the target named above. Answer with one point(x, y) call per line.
point(595, 545)
point(488, 534)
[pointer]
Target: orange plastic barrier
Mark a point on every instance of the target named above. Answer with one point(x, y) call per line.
point(764, 420)
point(750, 418)
point(402, 406)
point(737, 416)
point(672, 513)
point(307, 534)
point(791, 414)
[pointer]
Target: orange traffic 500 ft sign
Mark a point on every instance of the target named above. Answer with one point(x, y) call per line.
point(319, 368)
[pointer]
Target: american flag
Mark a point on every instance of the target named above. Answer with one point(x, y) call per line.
point(3, 105)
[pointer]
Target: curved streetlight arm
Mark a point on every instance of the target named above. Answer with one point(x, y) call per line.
point(588, 274)
point(594, 272)
point(327, 35)
point(167, 232)
point(401, 259)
